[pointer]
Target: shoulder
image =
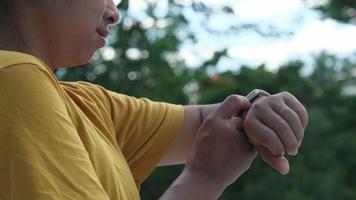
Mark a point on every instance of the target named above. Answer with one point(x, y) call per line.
point(98, 93)
point(83, 87)
point(10, 58)
point(84, 90)
point(28, 87)
point(23, 66)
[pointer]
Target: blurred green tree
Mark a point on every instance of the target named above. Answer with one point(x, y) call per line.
point(341, 10)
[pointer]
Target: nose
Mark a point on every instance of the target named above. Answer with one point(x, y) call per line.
point(111, 15)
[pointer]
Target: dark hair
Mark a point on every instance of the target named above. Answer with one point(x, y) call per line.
point(5, 11)
point(3, 8)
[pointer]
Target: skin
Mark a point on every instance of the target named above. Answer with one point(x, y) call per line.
point(60, 33)
point(220, 154)
point(282, 119)
point(271, 138)
point(274, 125)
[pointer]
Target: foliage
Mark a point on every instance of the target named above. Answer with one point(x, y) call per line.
point(341, 10)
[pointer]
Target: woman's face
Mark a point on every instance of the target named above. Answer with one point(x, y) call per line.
point(70, 30)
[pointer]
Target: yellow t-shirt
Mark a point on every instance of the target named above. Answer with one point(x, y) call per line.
point(75, 140)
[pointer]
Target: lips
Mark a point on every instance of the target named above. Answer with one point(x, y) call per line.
point(102, 32)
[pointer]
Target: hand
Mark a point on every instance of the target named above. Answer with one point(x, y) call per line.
point(276, 125)
point(219, 150)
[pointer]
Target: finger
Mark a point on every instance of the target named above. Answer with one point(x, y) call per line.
point(297, 107)
point(260, 134)
point(244, 142)
point(237, 123)
point(279, 163)
point(292, 119)
point(231, 106)
point(281, 129)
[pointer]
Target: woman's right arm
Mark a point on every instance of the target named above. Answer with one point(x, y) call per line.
point(220, 154)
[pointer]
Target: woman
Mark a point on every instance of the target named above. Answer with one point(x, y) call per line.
point(77, 140)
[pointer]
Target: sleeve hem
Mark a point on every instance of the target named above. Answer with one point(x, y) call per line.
point(173, 121)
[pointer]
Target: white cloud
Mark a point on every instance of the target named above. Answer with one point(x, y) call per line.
point(315, 36)
point(312, 35)
point(257, 10)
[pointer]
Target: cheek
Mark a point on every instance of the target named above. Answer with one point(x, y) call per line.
point(78, 32)
point(85, 47)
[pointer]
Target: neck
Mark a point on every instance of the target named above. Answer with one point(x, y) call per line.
point(12, 39)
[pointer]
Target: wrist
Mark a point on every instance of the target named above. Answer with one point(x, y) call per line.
point(205, 183)
point(205, 110)
point(193, 184)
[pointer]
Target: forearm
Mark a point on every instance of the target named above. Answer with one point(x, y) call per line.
point(205, 110)
point(193, 185)
point(194, 115)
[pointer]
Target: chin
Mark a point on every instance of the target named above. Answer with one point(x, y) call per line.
point(82, 59)
point(74, 62)
point(77, 56)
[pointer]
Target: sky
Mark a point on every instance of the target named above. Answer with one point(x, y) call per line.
point(311, 34)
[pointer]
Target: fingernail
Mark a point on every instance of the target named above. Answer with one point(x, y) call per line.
point(293, 153)
point(283, 172)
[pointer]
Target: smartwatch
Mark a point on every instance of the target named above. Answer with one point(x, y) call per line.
point(255, 94)
point(252, 96)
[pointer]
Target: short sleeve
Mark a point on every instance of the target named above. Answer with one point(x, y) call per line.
point(144, 130)
point(41, 156)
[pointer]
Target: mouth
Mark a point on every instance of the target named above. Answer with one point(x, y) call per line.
point(102, 32)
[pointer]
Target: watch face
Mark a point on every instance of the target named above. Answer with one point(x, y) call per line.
point(254, 94)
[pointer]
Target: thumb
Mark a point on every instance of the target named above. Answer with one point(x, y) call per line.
point(231, 106)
